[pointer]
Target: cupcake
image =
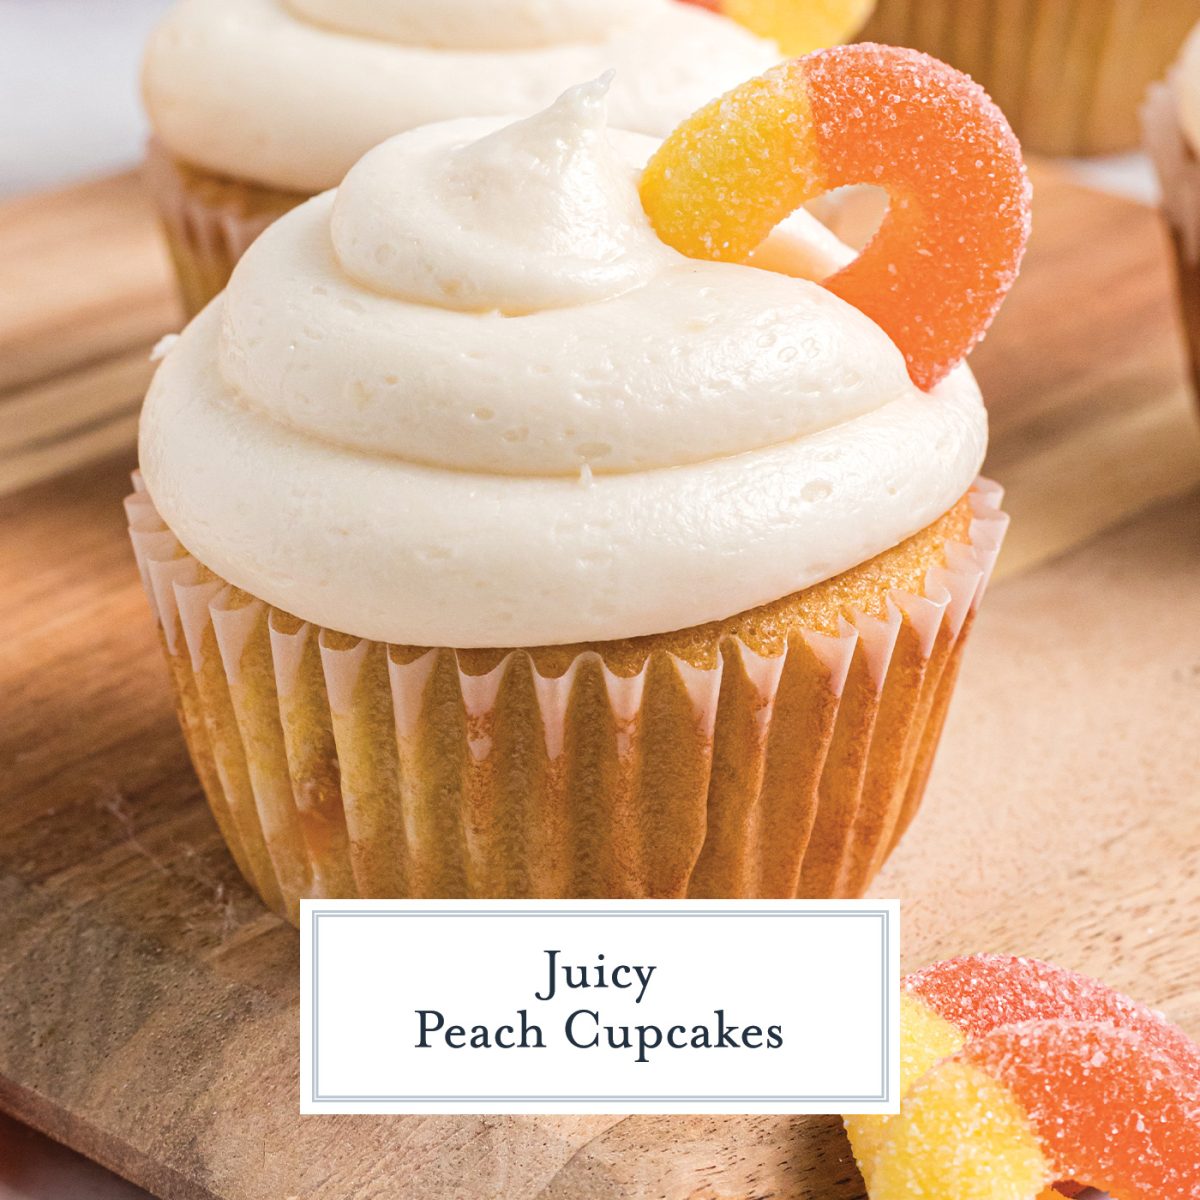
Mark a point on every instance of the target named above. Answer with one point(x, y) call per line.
point(257, 105)
point(1069, 74)
point(1171, 128)
point(500, 550)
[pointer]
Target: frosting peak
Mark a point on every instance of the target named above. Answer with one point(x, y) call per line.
point(539, 214)
point(392, 444)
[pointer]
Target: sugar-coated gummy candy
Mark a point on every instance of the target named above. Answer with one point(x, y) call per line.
point(1039, 1101)
point(958, 216)
point(947, 1005)
point(983, 992)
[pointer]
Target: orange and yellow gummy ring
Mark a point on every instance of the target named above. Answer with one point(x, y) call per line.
point(947, 1008)
point(796, 26)
point(1028, 1104)
point(958, 214)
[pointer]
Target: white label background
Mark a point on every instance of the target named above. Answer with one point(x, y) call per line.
point(826, 972)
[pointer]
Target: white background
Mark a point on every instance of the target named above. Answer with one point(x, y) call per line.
point(69, 103)
point(818, 975)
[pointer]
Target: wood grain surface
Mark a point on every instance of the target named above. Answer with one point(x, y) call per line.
point(85, 291)
point(148, 1004)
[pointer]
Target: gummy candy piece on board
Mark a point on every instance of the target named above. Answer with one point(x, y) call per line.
point(983, 992)
point(958, 216)
point(947, 1004)
point(1031, 1103)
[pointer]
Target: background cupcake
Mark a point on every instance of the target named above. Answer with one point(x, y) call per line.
point(471, 402)
point(1069, 74)
point(1171, 123)
point(256, 105)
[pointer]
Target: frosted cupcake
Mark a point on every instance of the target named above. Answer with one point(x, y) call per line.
point(1171, 124)
point(257, 105)
point(501, 550)
point(1070, 74)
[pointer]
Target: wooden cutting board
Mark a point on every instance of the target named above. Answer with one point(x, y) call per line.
point(148, 1004)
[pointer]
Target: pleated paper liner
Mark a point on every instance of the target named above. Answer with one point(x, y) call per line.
point(1178, 171)
point(1069, 74)
point(208, 221)
point(341, 767)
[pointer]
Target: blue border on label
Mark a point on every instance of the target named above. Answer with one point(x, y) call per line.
point(885, 943)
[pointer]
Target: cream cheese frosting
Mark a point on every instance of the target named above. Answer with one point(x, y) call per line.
point(469, 399)
point(290, 93)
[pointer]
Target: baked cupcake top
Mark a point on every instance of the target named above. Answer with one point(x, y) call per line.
point(471, 399)
point(290, 93)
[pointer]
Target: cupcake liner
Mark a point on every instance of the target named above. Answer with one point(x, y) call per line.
point(208, 221)
point(1069, 74)
point(1178, 170)
point(342, 767)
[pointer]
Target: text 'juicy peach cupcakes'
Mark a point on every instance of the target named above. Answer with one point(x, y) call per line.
point(506, 541)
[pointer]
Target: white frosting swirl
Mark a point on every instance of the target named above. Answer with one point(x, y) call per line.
point(527, 421)
point(413, 218)
point(290, 93)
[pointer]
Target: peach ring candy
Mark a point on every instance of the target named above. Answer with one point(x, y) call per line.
point(951, 242)
point(944, 1006)
point(797, 26)
point(1032, 1103)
